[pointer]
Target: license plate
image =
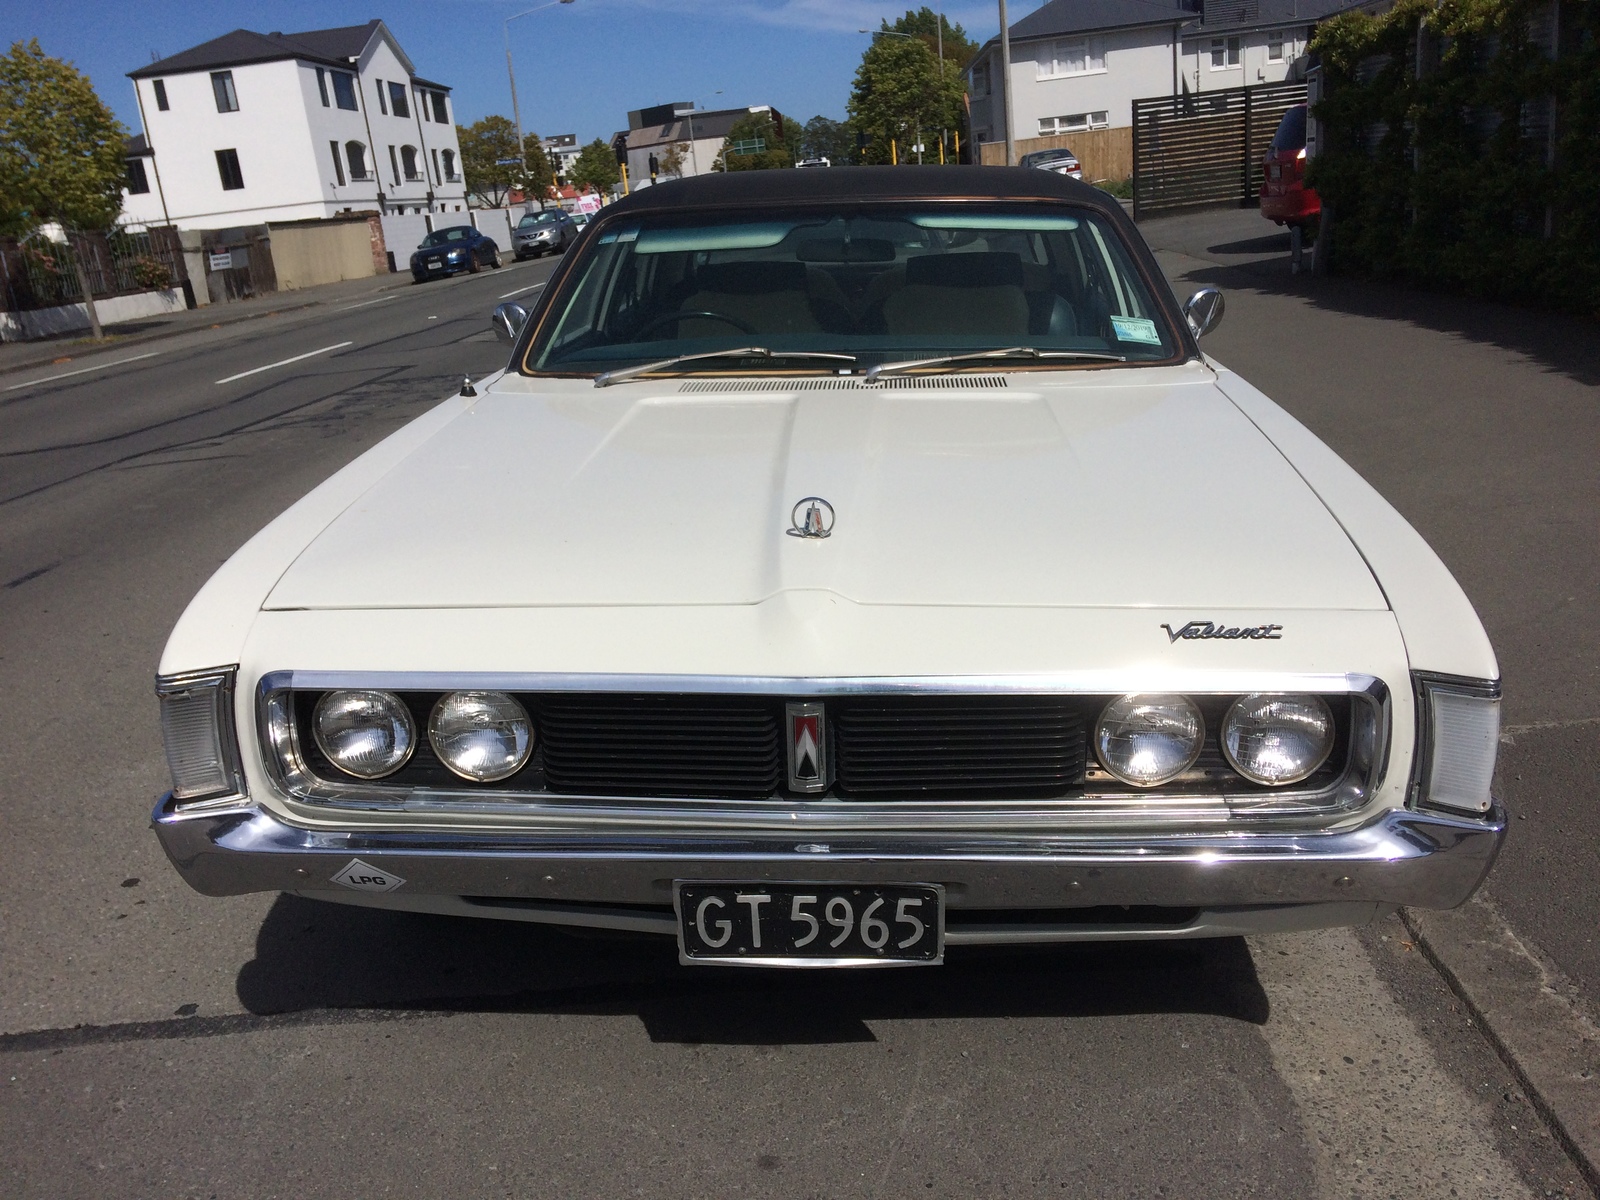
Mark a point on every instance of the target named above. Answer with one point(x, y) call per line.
point(1274, 171)
point(809, 924)
point(435, 262)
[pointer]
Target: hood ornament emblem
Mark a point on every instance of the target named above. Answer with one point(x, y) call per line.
point(812, 518)
point(1209, 630)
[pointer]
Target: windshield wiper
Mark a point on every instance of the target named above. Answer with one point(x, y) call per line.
point(609, 377)
point(895, 368)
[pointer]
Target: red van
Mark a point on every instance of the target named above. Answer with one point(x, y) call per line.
point(1284, 196)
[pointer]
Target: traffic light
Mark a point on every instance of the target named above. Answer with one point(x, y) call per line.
point(654, 167)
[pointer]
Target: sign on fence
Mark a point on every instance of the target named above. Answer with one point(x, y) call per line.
point(222, 262)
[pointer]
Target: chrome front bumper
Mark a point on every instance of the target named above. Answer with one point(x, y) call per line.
point(1238, 881)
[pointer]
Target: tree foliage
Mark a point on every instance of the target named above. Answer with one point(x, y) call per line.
point(898, 92)
point(832, 140)
point(779, 152)
point(1438, 160)
point(540, 176)
point(924, 23)
point(484, 144)
point(62, 153)
point(596, 167)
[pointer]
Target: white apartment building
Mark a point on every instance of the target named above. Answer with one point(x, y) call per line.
point(255, 127)
point(1078, 65)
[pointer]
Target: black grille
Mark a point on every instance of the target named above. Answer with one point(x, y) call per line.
point(958, 747)
point(662, 745)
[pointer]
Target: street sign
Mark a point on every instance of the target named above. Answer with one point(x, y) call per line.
point(508, 162)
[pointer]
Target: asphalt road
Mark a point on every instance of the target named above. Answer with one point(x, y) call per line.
point(157, 1043)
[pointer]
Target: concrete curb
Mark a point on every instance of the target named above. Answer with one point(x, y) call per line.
point(1549, 1044)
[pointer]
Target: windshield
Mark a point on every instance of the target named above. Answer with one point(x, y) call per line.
point(440, 237)
point(880, 284)
point(539, 218)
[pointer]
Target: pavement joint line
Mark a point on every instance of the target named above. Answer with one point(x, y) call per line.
point(82, 371)
point(284, 362)
point(172, 1028)
point(520, 290)
point(1550, 1088)
point(365, 303)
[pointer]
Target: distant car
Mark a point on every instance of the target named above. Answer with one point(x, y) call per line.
point(814, 162)
point(580, 219)
point(450, 251)
point(1062, 162)
point(1285, 198)
point(540, 232)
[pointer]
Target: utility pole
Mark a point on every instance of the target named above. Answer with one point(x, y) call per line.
point(516, 113)
point(1005, 85)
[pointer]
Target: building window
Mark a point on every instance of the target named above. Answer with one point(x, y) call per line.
point(356, 155)
point(397, 100)
point(980, 80)
point(439, 113)
point(450, 165)
point(222, 88)
point(344, 90)
point(138, 181)
point(1275, 46)
point(322, 86)
point(338, 165)
point(383, 105)
point(1076, 56)
point(1072, 123)
point(228, 168)
point(1224, 53)
point(394, 166)
point(408, 162)
point(160, 87)
point(437, 178)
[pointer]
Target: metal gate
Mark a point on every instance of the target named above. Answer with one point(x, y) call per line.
point(1205, 148)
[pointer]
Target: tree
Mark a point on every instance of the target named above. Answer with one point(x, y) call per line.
point(758, 129)
point(832, 140)
point(596, 167)
point(899, 94)
point(672, 159)
point(62, 153)
point(924, 24)
point(486, 144)
point(540, 176)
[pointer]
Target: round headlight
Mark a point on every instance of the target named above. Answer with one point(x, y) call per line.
point(1147, 740)
point(1277, 739)
point(481, 736)
point(363, 733)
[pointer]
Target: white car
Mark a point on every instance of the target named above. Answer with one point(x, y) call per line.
point(846, 566)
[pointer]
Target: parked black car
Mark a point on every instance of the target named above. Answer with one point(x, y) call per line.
point(544, 231)
point(448, 251)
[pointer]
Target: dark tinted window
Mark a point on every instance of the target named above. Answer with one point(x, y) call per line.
point(138, 181)
point(160, 86)
point(222, 87)
point(397, 100)
point(228, 169)
point(438, 108)
point(440, 237)
point(322, 86)
point(1291, 133)
point(344, 90)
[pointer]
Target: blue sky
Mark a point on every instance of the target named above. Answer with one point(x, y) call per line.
point(580, 67)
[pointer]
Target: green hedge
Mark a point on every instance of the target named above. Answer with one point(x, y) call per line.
point(1425, 185)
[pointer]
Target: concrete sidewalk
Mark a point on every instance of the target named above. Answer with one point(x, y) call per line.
point(16, 356)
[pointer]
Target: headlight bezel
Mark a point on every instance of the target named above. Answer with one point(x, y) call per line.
point(1152, 699)
point(409, 723)
point(1229, 753)
point(497, 776)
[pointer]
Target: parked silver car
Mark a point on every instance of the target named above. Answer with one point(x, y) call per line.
point(540, 232)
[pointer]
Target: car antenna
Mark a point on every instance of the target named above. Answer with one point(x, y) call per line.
point(466, 387)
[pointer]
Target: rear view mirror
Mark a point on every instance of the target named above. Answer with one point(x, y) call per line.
point(839, 250)
point(508, 320)
point(1203, 311)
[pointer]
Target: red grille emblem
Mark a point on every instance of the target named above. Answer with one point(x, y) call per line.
point(808, 747)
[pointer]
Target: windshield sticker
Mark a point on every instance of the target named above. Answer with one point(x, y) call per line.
point(1022, 222)
point(753, 236)
point(1136, 329)
point(620, 235)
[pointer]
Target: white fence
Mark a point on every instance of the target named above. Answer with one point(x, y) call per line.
point(403, 232)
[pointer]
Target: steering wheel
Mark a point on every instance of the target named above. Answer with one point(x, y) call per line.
point(665, 318)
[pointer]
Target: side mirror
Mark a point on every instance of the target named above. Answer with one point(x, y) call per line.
point(1203, 311)
point(509, 318)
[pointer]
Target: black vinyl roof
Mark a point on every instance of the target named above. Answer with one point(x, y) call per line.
point(756, 190)
point(335, 47)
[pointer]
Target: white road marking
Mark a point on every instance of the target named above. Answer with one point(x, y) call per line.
point(82, 371)
point(285, 362)
point(364, 303)
point(519, 291)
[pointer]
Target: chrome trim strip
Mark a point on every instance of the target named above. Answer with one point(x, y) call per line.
point(1428, 860)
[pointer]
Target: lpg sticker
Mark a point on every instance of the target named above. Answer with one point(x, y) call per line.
point(363, 878)
point(1135, 329)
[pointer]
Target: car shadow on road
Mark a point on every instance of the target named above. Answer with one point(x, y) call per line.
point(315, 955)
point(1559, 342)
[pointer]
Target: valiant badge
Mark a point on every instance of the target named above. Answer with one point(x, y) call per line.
point(808, 747)
point(1206, 631)
point(812, 518)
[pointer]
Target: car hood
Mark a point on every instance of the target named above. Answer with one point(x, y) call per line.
point(1144, 488)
